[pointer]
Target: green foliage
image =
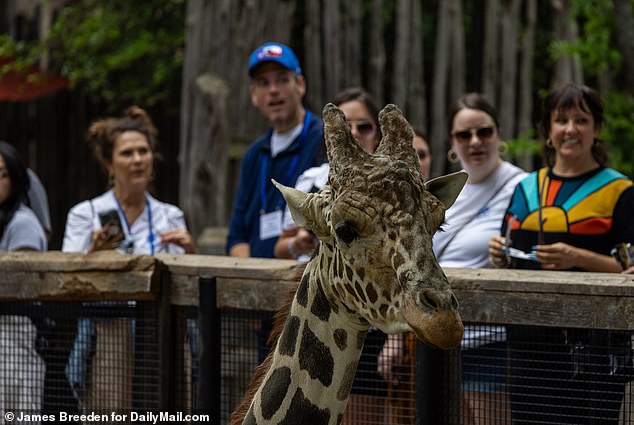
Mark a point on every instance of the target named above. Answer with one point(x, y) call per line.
point(119, 52)
point(618, 131)
point(596, 49)
point(525, 145)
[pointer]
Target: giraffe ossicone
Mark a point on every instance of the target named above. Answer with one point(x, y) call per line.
point(374, 267)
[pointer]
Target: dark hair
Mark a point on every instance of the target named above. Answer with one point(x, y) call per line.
point(360, 95)
point(103, 133)
point(564, 98)
point(19, 184)
point(422, 135)
point(475, 101)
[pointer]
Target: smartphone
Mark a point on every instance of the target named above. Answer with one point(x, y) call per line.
point(111, 220)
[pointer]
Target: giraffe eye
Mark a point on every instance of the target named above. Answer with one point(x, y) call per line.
point(346, 232)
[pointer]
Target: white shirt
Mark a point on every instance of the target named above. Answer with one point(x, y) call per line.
point(280, 141)
point(83, 220)
point(23, 231)
point(475, 217)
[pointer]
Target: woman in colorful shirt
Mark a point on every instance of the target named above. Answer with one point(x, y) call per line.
point(568, 216)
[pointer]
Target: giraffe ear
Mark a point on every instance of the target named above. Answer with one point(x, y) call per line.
point(306, 208)
point(447, 188)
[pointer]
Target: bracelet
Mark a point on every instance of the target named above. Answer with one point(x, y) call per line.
point(290, 248)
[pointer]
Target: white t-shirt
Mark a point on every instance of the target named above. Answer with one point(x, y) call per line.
point(472, 220)
point(280, 141)
point(23, 231)
point(315, 177)
point(83, 220)
point(475, 217)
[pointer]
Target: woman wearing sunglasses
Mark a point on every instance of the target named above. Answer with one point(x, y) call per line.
point(568, 216)
point(469, 224)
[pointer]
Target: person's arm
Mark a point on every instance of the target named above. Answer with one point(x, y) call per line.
point(238, 235)
point(241, 249)
point(561, 256)
point(180, 237)
point(390, 356)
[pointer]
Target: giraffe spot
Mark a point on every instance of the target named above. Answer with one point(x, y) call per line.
point(315, 357)
point(372, 295)
point(392, 235)
point(347, 380)
point(398, 259)
point(361, 273)
point(289, 336)
point(383, 310)
point(321, 305)
point(274, 391)
point(339, 418)
point(302, 291)
point(335, 265)
point(361, 339)
point(408, 242)
point(341, 338)
point(349, 273)
point(302, 411)
point(340, 261)
point(360, 292)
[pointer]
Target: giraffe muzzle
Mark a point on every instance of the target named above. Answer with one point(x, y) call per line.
point(435, 319)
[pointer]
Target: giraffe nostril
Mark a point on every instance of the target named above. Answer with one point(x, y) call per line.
point(429, 299)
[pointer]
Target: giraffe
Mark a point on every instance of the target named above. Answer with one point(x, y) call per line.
point(374, 267)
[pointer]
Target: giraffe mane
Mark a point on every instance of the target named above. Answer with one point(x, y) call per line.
point(280, 320)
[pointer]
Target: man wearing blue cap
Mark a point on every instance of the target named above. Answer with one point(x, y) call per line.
point(292, 145)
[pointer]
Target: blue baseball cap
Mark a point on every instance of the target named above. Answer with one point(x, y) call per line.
point(274, 52)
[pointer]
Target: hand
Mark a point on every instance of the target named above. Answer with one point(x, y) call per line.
point(303, 243)
point(180, 237)
point(557, 256)
point(629, 271)
point(390, 356)
point(106, 238)
point(497, 257)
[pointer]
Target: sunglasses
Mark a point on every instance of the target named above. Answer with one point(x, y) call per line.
point(483, 133)
point(364, 128)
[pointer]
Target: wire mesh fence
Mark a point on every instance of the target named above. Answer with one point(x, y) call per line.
point(132, 356)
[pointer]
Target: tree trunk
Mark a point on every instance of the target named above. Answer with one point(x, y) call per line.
point(524, 122)
point(313, 65)
point(566, 69)
point(402, 53)
point(352, 43)
point(508, 94)
point(490, 73)
point(417, 110)
point(439, 89)
point(332, 45)
point(624, 34)
point(376, 62)
point(458, 61)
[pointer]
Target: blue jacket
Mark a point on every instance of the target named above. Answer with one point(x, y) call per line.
point(305, 152)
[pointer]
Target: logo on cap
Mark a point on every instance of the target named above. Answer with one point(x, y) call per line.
point(270, 51)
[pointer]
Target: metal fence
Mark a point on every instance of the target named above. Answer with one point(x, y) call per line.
point(184, 336)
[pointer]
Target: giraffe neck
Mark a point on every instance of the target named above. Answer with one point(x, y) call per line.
point(314, 362)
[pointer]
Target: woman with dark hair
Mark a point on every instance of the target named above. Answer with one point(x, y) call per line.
point(22, 369)
point(19, 227)
point(568, 216)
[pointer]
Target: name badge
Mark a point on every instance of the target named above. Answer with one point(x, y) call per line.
point(271, 225)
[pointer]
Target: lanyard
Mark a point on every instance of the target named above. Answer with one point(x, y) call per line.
point(264, 170)
point(150, 237)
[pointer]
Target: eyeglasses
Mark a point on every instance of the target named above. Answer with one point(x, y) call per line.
point(483, 133)
point(364, 128)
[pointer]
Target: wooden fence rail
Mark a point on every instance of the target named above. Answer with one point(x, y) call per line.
point(592, 300)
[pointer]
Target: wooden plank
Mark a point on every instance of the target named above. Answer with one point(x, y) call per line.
point(57, 261)
point(249, 294)
point(220, 266)
point(78, 286)
point(552, 282)
point(558, 310)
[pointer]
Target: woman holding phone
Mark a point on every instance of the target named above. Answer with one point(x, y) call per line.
point(128, 219)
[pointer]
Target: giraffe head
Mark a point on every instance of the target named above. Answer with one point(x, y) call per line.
point(375, 220)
